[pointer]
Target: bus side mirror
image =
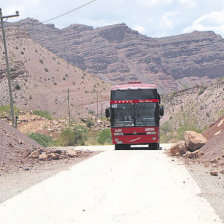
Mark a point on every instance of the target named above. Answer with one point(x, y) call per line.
point(161, 111)
point(107, 112)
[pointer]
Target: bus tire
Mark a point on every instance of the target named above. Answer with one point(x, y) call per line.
point(154, 146)
point(120, 147)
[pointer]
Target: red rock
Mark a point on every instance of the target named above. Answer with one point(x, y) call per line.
point(194, 140)
point(214, 173)
point(178, 149)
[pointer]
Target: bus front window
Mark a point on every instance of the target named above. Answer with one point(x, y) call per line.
point(145, 114)
point(123, 115)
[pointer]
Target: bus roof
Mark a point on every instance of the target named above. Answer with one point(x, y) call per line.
point(134, 85)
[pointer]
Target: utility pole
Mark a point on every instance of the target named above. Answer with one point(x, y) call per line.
point(97, 103)
point(69, 114)
point(7, 63)
point(101, 109)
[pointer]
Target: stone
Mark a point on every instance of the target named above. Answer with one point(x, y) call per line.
point(178, 149)
point(34, 155)
point(53, 156)
point(71, 152)
point(194, 140)
point(194, 155)
point(43, 156)
point(214, 173)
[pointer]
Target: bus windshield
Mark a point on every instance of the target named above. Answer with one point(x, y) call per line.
point(145, 114)
point(123, 115)
point(134, 114)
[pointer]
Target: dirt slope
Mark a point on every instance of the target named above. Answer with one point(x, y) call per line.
point(14, 148)
point(214, 149)
point(41, 79)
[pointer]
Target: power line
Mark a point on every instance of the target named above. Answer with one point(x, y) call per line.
point(56, 17)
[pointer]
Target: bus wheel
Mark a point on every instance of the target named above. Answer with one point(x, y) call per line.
point(154, 146)
point(120, 147)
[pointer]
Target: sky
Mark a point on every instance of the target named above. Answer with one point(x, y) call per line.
point(154, 18)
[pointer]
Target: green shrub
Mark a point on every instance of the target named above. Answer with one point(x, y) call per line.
point(165, 128)
point(81, 134)
point(6, 110)
point(105, 137)
point(43, 113)
point(90, 122)
point(70, 137)
point(17, 87)
point(42, 139)
point(67, 138)
point(91, 112)
point(41, 61)
point(46, 70)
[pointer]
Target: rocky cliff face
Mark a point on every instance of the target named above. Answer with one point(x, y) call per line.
point(117, 53)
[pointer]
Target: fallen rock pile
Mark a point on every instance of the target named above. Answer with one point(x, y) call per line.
point(18, 151)
point(56, 154)
point(190, 147)
point(206, 148)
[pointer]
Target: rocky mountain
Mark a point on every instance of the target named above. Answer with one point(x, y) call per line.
point(40, 79)
point(118, 54)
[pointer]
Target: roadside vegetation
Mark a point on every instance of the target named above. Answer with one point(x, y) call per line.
point(168, 133)
point(42, 139)
point(84, 133)
point(43, 113)
point(5, 110)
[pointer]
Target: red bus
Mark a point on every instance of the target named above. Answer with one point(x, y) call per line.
point(134, 113)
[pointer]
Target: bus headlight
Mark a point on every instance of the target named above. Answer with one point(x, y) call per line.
point(151, 133)
point(115, 134)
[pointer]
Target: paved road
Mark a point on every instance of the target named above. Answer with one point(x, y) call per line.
point(126, 187)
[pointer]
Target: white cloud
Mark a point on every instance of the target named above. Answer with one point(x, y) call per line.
point(151, 17)
point(139, 28)
point(212, 21)
point(191, 3)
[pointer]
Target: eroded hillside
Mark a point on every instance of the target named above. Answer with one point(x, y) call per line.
point(41, 79)
point(192, 109)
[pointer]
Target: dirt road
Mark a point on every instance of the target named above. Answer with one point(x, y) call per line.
point(114, 187)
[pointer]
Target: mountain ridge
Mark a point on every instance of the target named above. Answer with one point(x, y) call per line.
point(118, 54)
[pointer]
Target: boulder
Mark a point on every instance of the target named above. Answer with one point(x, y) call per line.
point(178, 149)
point(53, 156)
point(214, 173)
point(43, 156)
point(194, 155)
point(194, 140)
point(34, 154)
point(71, 152)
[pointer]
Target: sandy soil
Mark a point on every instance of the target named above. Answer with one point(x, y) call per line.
point(212, 186)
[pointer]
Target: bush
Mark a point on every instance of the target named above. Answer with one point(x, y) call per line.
point(90, 122)
point(43, 113)
point(67, 138)
point(42, 139)
point(6, 110)
point(46, 70)
point(41, 61)
point(91, 112)
point(80, 134)
point(105, 137)
point(70, 137)
point(17, 87)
